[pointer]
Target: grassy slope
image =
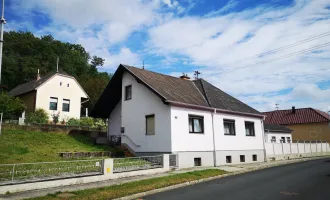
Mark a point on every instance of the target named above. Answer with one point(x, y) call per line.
point(116, 191)
point(20, 146)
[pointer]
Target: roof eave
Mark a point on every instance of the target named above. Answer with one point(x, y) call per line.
point(175, 103)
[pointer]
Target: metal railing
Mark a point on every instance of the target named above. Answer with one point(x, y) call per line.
point(32, 172)
point(173, 160)
point(137, 163)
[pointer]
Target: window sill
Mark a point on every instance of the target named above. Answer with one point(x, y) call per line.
point(127, 99)
point(230, 135)
point(250, 135)
point(196, 133)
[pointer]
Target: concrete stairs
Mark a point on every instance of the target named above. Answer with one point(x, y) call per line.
point(126, 151)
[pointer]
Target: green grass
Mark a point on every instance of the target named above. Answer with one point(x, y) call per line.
point(21, 146)
point(126, 189)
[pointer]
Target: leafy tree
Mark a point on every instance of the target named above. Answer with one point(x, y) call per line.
point(11, 107)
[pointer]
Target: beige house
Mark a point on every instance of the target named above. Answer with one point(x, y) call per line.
point(307, 124)
point(55, 92)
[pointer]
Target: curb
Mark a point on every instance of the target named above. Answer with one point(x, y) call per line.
point(138, 195)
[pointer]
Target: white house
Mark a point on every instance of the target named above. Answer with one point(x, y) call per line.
point(154, 113)
point(277, 134)
point(56, 92)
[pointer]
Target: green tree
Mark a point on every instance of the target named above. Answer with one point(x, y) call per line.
point(11, 107)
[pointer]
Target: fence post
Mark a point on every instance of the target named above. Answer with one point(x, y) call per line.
point(282, 147)
point(311, 146)
point(298, 146)
point(316, 146)
point(108, 167)
point(321, 146)
point(273, 148)
point(304, 146)
point(290, 148)
point(326, 146)
point(12, 176)
point(166, 161)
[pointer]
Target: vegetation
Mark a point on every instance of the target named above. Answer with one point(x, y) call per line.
point(11, 107)
point(24, 54)
point(87, 121)
point(21, 146)
point(40, 116)
point(117, 191)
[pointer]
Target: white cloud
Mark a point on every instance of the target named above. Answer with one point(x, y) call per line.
point(216, 40)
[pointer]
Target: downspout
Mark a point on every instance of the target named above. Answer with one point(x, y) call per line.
point(263, 138)
point(214, 149)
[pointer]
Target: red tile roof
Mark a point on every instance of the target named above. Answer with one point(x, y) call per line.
point(301, 116)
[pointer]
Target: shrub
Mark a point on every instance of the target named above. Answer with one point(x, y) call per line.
point(40, 116)
point(73, 122)
point(11, 107)
point(99, 123)
point(87, 121)
point(55, 117)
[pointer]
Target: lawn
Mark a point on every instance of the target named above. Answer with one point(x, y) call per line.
point(21, 146)
point(125, 189)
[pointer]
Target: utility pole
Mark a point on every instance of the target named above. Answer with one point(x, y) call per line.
point(2, 22)
point(196, 74)
point(57, 61)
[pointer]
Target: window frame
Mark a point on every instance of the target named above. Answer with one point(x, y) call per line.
point(53, 102)
point(283, 139)
point(66, 103)
point(197, 162)
point(193, 125)
point(254, 157)
point(228, 159)
point(253, 128)
point(272, 139)
point(242, 158)
point(149, 116)
point(229, 121)
point(126, 87)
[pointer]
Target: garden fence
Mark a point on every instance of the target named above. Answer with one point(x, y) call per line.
point(137, 163)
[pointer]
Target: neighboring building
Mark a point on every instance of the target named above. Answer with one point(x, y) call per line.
point(306, 123)
point(56, 92)
point(277, 133)
point(155, 114)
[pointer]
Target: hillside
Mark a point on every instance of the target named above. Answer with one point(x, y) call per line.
point(21, 146)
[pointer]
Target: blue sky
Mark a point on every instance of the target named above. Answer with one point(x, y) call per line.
point(212, 36)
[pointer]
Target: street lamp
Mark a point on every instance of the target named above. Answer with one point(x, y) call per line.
point(2, 22)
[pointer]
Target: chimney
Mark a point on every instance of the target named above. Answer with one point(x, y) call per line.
point(293, 110)
point(185, 76)
point(38, 75)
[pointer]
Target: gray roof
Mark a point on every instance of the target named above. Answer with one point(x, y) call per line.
point(32, 85)
point(169, 88)
point(276, 128)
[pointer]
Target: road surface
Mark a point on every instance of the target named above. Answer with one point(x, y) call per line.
point(305, 180)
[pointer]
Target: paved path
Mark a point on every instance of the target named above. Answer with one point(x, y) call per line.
point(305, 180)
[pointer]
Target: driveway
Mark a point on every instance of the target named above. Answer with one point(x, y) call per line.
point(305, 180)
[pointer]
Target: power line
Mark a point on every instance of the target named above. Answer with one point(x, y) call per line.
point(276, 50)
point(277, 58)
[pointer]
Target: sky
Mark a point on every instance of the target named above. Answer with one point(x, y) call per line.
point(263, 52)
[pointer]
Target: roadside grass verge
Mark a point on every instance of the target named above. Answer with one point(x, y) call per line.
point(22, 146)
point(116, 191)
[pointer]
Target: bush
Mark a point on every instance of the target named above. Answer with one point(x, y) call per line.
point(73, 122)
point(40, 116)
point(86, 121)
point(11, 107)
point(99, 123)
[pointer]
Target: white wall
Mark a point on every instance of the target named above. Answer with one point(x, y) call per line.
point(269, 135)
point(273, 149)
point(114, 122)
point(145, 102)
point(52, 88)
point(182, 140)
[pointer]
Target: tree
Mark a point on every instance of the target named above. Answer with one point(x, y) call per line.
point(11, 107)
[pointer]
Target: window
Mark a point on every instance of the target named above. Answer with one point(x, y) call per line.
point(249, 129)
point(196, 124)
point(228, 159)
point(283, 139)
point(128, 92)
point(68, 85)
point(197, 161)
point(150, 125)
point(254, 157)
point(229, 126)
point(66, 105)
point(288, 139)
point(242, 158)
point(273, 139)
point(53, 103)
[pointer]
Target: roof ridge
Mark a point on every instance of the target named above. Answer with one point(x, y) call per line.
point(319, 112)
point(206, 97)
point(124, 65)
point(204, 93)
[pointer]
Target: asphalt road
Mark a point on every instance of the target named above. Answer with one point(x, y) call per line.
point(305, 180)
